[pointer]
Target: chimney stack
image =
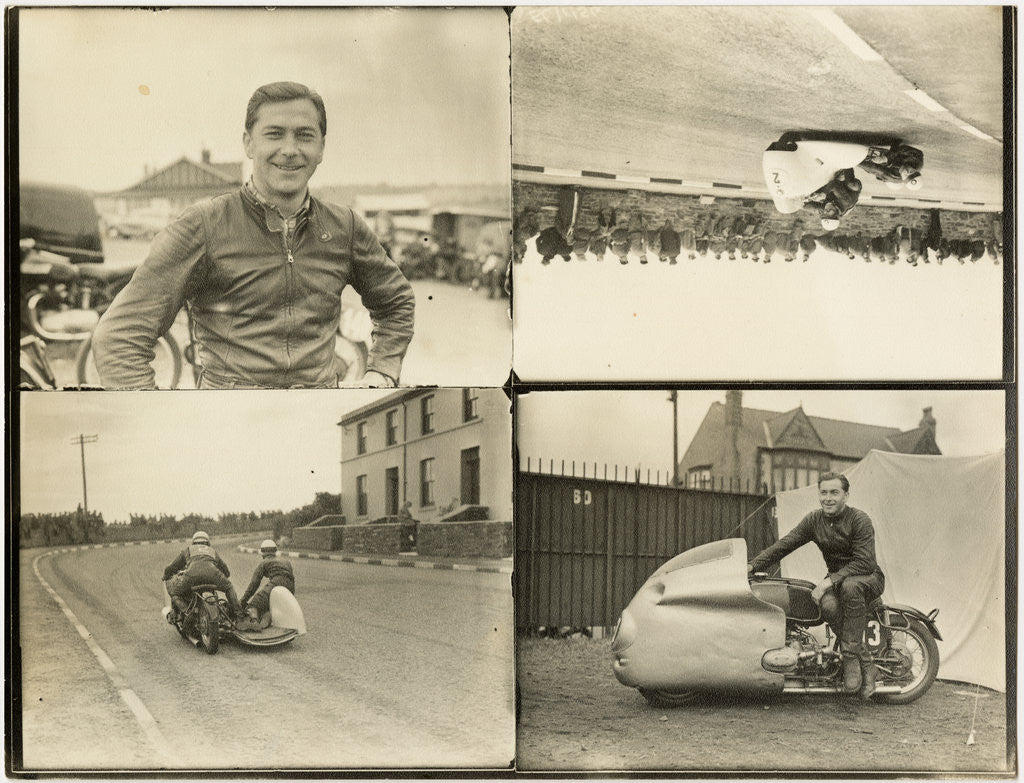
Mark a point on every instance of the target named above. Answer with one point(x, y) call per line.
point(206, 157)
point(927, 420)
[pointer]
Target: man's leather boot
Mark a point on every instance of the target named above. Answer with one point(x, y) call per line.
point(869, 673)
point(851, 671)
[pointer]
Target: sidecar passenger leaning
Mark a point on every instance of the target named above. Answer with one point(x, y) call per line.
point(277, 572)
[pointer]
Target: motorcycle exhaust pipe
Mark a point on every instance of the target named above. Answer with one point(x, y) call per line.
point(794, 688)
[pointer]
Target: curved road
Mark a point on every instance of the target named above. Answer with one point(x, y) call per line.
point(401, 667)
point(697, 93)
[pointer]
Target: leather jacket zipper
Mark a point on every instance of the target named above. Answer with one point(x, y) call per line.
point(289, 297)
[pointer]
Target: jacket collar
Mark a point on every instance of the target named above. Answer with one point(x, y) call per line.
point(275, 221)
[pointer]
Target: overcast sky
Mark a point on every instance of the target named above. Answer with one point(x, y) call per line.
point(176, 452)
point(413, 96)
point(631, 428)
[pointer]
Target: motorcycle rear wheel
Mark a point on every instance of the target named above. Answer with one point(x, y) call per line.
point(918, 644)
point(209, 631)
point(658, 698)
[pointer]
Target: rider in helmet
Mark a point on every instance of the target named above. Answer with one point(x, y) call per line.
point(198, 564)
point(835, 199)
point(278, 573)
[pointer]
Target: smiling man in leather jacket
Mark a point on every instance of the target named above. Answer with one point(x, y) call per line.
point(846, 539)
point(261, 271)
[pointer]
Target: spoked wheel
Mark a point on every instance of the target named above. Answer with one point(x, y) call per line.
point(352, 358)
point(166, 364)
point(209, 630)
point(912, 662)
point(658, 698)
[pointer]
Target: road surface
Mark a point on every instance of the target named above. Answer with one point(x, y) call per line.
point(401, 667)
point(697, 93)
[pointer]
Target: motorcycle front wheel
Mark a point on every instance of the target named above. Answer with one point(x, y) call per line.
point(918, 655)
point(352, 359)
point(658, 698)
point(209, 630)
point(166, 364)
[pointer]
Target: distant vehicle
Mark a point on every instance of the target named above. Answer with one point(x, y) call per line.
point(456, 231)
point(60, 219)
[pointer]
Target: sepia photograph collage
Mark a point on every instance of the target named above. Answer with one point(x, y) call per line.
point(497, 391)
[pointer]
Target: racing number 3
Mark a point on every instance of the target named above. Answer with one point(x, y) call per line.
point(582, 496)
point(874, 634)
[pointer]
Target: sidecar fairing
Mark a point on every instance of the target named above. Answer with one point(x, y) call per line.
point(287, 622)
point(696, 625)
point(794, 170)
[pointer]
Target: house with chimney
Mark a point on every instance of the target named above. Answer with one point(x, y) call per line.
point(748, 449)
point(162, 194)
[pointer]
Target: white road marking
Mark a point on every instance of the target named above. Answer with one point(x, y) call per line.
point(980, 134)
point(564, 172)
point(924, 99)
point(142, 715)
point(831, 22)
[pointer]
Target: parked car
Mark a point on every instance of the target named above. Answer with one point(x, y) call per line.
point(60, 219)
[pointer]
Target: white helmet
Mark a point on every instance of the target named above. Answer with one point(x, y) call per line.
point(829, 224)
point(268, 547)
point(200, 537)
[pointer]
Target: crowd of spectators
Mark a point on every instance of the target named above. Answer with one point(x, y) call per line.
point(718, 236)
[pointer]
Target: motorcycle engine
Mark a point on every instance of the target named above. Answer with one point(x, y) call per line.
point(803, 654)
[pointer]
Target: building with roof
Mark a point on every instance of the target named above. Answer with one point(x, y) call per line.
point(164, 193)
point(770, 451)
point(437, 450)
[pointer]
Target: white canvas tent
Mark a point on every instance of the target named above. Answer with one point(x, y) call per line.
point(940, 538)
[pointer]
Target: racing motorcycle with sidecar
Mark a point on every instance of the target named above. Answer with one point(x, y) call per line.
point(799, 165)
point(701, 625)
point(206, 620)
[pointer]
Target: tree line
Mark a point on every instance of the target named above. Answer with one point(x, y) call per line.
point(79, 527)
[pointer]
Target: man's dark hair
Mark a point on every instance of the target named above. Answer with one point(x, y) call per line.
point(277, 92)
point(831, 476)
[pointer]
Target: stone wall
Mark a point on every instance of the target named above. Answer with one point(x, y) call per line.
point(687, 211)
point(373, 539)
point(465, 539)
point(320, 538)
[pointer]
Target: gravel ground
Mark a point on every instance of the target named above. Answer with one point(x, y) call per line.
point(574, 715)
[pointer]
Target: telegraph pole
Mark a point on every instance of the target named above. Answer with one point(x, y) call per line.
point(674, 399)
point(80, 441)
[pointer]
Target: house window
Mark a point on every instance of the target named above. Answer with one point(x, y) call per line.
point(361, 437)
point(777, 485)
point(469, 403)
point(790, 479)
point(391, 427)
point(700, 478)
point(470, 493)
point(801, 477)
point(362, 502)
point(427, 415)
point(427, 482)
point(812, 477)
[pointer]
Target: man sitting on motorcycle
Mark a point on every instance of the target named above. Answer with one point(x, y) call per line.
point(278, 573)
point(199, 564)
point(846, 539)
